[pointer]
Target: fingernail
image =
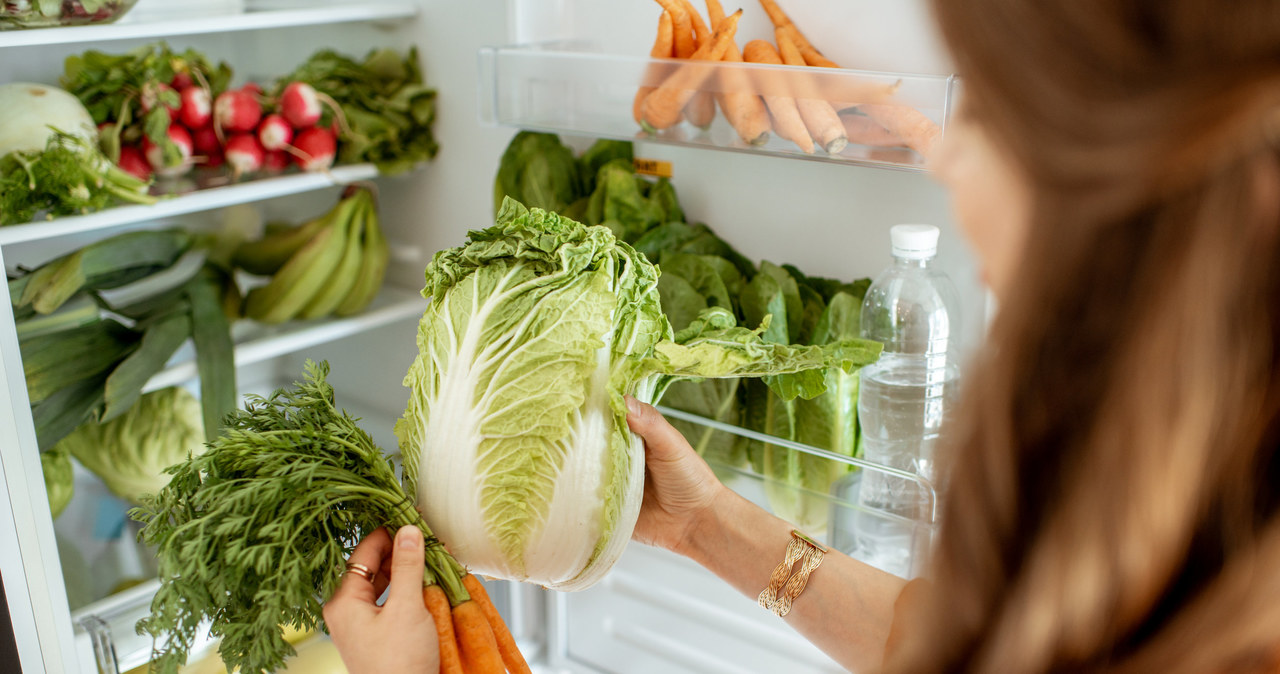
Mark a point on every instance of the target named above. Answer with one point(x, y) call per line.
point(408, 538)
point(633, 405)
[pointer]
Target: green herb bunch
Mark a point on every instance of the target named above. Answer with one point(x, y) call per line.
point(254, 533)
point(69, 177)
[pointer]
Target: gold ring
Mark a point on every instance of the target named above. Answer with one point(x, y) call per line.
point(360, 570)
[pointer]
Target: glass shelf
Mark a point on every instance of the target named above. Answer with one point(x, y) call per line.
point(565, 87)
point(151, 20)
point(193, 201)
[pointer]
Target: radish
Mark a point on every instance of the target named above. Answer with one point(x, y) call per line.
point(274, 132)
point(300, 105)
point(244, 154)
point(181, 138)
point(197, 109)
point(205, 141)
point(252, 88)
point(317, 148)
point(237, 111)
point(151, 95)
point(181, 80)
point(276, 161)
point(134, 162)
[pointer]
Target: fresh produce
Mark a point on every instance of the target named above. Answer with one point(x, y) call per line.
point(742, 107)
point(59, 479)
point(131, 452)
point(70, 176)
point(386, 110)
point(237, 110)
point(81, 365)
point(515, 436)
point(42, 13)
point(333, 264)
point(663, 108)
point(252, 535)
point(819, 117)
point(787, 121)
point(34, 112)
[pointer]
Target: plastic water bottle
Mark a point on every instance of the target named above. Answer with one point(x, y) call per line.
point(911, 308)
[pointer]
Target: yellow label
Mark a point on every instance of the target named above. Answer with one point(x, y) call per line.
point(652, 167)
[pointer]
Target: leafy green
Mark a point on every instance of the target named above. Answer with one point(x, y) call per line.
point(131, 452)
point(388, 109)
point(515, 436)
point(68, 178)
point(59, 479)
point(539, 171)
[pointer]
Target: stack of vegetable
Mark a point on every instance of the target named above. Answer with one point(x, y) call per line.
point(700, 270)
point(333, 264)
point(166, 113)
point(793, 105)
point(252, 535)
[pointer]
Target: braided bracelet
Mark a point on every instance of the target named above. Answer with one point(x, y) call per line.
point(784, 586)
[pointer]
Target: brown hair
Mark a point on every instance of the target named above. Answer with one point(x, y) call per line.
point(1114, 495)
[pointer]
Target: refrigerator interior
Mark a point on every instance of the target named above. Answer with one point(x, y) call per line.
point(655, 611)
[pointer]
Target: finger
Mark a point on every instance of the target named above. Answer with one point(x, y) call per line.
point(407, 558)
point(661, 439)
point(369, 552)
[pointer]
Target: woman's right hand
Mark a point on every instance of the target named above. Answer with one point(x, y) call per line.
point(679, 487)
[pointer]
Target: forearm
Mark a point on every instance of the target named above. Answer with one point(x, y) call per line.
point(845, 610)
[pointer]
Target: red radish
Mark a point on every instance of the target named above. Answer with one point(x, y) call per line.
point(244, 154)
point(214, 159)
point(276, 161)
point(300, 105)
point(237, 111)
point(197, 109)
point(134, 162)
point(151, 94)
point(317, 147)
point(155, 155)
point(274, 132)
point(181, 80)
point(252, 88)
point(205, 141)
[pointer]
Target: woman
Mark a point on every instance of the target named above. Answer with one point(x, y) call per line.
point(1114, 500)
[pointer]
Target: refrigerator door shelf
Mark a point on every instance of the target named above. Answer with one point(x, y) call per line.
point(567, 87)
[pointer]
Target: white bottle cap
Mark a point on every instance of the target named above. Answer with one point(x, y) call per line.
point(914, 242)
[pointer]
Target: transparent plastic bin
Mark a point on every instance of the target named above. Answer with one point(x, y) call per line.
point(843, 513)
point(567, 87)
point(17, 14)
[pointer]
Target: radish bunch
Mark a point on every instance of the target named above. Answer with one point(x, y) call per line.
point(241, 129)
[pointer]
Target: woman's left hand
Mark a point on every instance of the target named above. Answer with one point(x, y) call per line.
point(398, 636)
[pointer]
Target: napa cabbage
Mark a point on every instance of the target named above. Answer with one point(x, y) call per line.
point(515, 438)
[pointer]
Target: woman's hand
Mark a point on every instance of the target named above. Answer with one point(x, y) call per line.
point(398, 636)
point(679, 487)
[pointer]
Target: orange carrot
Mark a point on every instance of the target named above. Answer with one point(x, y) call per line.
point(662, 108)
point(662, 49)
point(818, 115)
point(916, 130)
point(701, 109)
point(438, 604)
point(476, 643)
point(811, 55)
point(780, 19)
point(682, 24)
point(786, 117)
point(865, 131)
point(738, 99)
point(507, 648)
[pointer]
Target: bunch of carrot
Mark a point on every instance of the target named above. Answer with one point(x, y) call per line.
point(472, 635)
point(792, 106)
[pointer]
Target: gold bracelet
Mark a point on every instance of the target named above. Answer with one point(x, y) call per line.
point(784, 586)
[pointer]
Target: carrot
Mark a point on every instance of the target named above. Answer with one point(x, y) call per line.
point(865, 131)
point(507, 648)
point(739, 101)
point(662, 108)
point(780, 20)
point(438, 604)
point(662, 49)
point(818, 115)
point(812, 56)
point(476, 643)
point(786, 116)
point(682, 24)
point(916, 130)
point(701, 109)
